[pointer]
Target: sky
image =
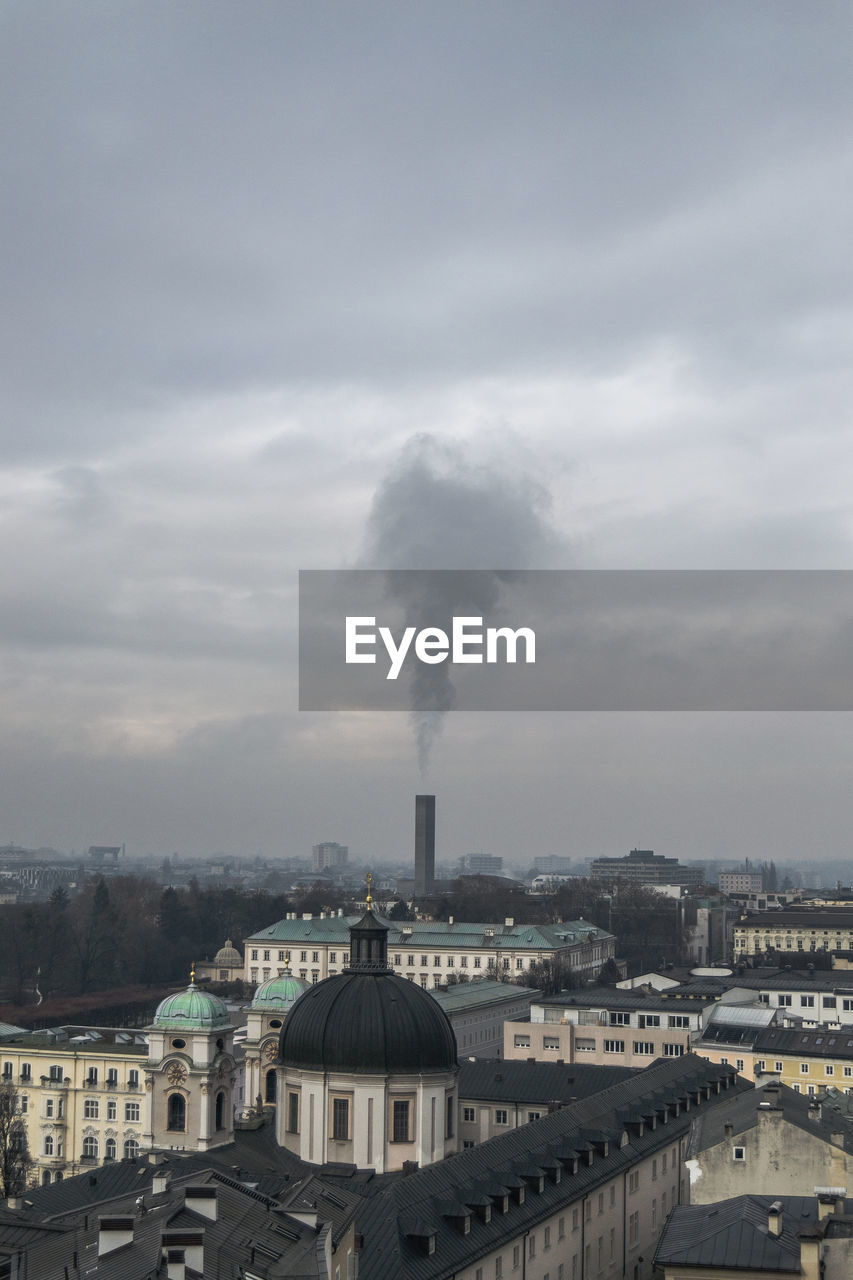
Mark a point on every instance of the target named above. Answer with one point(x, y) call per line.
point(425, 285)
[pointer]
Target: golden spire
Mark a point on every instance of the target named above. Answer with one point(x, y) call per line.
point(192, 974)
point(287, 959)
point(369, 883)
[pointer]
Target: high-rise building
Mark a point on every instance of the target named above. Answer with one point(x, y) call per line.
point(424, 844)
point(329, 854)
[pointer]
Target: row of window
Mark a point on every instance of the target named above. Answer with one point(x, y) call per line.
point(92, 1109)
point(402, 1118)
point(55, 1075)
point(91, 1148)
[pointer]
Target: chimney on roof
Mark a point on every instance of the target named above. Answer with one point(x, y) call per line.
point(774, 1218)
point(182, 1251)
point(202, 1199)
point(160, 1183)
point(114, 1232)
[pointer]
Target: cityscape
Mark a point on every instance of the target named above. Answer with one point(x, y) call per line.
point(425, 665)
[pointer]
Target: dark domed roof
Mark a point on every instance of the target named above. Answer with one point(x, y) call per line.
point(367, 1022)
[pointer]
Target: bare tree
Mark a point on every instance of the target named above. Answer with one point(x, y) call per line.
point(15, 1158)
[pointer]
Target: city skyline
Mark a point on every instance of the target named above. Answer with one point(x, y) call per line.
point(426, 287)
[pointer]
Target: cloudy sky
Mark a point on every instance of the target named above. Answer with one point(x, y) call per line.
point(429, 284)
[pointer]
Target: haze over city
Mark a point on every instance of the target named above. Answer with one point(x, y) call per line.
point(415, 286)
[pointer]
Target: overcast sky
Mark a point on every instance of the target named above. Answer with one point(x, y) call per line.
point(422, 284)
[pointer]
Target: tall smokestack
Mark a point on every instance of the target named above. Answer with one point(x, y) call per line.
point(424, 845)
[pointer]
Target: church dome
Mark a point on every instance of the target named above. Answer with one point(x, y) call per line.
point(228, 955)
point(279, 993)
point(367, 1019)
point(375, 1023)
point(192, 1010)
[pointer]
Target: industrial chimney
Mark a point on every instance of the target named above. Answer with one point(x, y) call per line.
point(424, 845)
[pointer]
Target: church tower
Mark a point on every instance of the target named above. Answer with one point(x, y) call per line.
point(190, 1075)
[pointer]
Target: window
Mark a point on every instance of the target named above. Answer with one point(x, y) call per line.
point(90, 1148)
point(449, 1114)
point(92, 1076)
point(739, 1154)
point(25, 1104)
point(469, 1114)
point(133, 1079)
point(739, 1064)
point(477, 962)
point(521, 1042)
point(645, 1047)
point(499, 1268)
point(575, 1219)
point(806, 1002)
point(546, 1243)
point(110, 1149)
point(254, 955)
point(804, 1068)
point(340, 1119)
point(678, 1020)
point(673, 1050)
point(614, 1046)
point(601, 1202)
point(48, 1108)
point(400, 1120)
point(131, 1149)
point(292, 1112)
point(516, 1257)
point(333, 958)
point(778, 1066)
point(519, 964)
point(649, 1020)
point(634, 1228)
point(533, 1115)
point(131, 1111)
point(90, 1109)
point(531, 1245)
point(48, 1145)
point(112, 1077)
point(550, 1042)
point(424, 960)
point(620, 1019)
point(398, 960)
point(112, 1109)
point(613, 1194)
point(633, 1180)
point(830, 1071)
point(784, 1001)
point(848, 1071)
point(501, 1116)
point(463, 962)
point(654, 1171)
point(55, 1073)
point(561, 1229)
point(585, 1046)
point(176, 1113)
point(26, 1071)
point(829, 1002)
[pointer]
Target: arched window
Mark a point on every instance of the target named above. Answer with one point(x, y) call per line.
point(220, 1110)
point(110, 1149)
point(176, 1115)
point(90, 1148)
point(48, 1145)
point(45, 1178)
point(270, 1085)
point(131, 1149)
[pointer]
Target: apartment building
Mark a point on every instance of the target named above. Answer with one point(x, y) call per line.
point(606, 1025)
point(81, 1091)
point(810, 929)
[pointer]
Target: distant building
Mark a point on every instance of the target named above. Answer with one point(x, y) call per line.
point(644, 866)
point(424, 845)
point(741, 881)
point(552, 864)
point(226, 965)
point(810, 929)
point(328, 854)
point(478, 1011)
point(480, 864)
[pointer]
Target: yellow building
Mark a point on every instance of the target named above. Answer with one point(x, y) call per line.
point(807, 929)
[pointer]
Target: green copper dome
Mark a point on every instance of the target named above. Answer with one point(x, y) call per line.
point(192, 1010)
point(279, 993)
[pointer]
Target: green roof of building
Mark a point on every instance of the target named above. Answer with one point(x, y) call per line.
point(279, 993)
point(191, 1010)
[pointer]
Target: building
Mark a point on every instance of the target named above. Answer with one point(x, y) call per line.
point(643, 866)
point(770, 1141)
point(270, 1005)
point(368, 1066)
point(328, 854)
point(226, 966)
point(478, 1011)
point(754, 1236)
point(809, 929)
point(430, 953)
point(741, 881)
point(605, 1025)
point(496, 1096)
point(424, 845)
point(480, 864)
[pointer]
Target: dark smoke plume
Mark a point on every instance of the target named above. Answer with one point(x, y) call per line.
point(436, 510)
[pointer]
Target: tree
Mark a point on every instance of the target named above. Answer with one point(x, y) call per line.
point(15, 1158)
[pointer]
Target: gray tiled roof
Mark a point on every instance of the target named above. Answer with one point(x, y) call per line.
point(734, 1234)
point(495, 1080)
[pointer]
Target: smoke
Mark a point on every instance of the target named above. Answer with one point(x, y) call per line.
point(437, 510)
